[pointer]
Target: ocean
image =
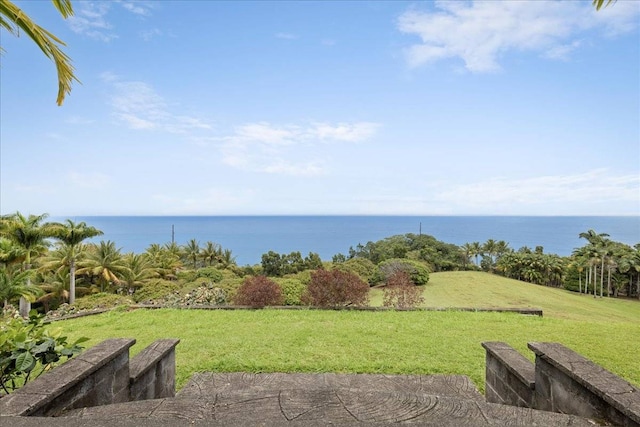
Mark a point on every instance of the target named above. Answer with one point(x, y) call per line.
point(248, 237)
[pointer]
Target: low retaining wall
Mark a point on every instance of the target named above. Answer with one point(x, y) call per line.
point(99, 376)
point(527, 311)
point(560, 381)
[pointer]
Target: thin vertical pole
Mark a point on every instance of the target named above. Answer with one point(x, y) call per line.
point(173, 234)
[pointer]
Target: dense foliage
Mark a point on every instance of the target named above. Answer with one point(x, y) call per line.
point(334, 288)
point(28, 349)
point(401, 292)
point(48, 264)
point(258, 292)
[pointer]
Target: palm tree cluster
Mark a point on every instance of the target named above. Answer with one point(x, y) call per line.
point(601, 267)
point(603, 260)
point(42, 261)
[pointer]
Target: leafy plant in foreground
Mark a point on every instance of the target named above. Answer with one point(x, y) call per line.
point(28, 349)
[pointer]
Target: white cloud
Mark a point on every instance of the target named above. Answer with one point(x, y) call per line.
point(139, 106)
point(580, 191)
point(138, 7)
point(284, 149)
point(480, 32)
point(90, 20)
point(351, 132)
point(148, 35)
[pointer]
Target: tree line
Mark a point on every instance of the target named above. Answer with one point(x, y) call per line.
point(51, 263)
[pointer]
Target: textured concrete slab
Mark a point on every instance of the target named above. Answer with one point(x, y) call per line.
point(345, 407)
point(311, 400)
point(207, 384)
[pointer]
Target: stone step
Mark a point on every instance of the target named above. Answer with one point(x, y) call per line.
point(321, 407)
point(204, 385)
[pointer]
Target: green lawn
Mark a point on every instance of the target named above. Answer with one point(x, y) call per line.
point(477, 289)
point(606, 331)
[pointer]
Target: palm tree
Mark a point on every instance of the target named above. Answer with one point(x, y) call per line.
point(192, 252)
point(211, 252)
point(139, 270)
point(476, 251)
point(489, 248)
point(105, 262)
point(30, 234)
point(467, 250)
point(15, 284)
point(72, 234)
point(56, 288)
point(10, 253)
point(598, 247)
point(227, 258)
point(15, 21)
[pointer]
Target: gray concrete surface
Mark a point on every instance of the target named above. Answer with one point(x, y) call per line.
point(311, 400)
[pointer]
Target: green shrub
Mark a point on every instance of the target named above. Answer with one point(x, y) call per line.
point(187, 275)
point(333, 288)
point(213, 274)
point(292, 290)
point(364, 268)
point(156, 289)
point(418, 271)
point(258, 292)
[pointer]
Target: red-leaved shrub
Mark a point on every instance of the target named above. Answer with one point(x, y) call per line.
point(258, 292)
point(401, 292)
point(333, 288)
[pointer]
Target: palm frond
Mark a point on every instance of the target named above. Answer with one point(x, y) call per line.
point(599, 3)
point(12, 18)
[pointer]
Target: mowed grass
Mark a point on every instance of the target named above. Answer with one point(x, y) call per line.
point(484, 290)
point(421, 342)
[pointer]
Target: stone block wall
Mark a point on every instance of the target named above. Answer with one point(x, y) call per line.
point(510, 377)
point(569, 383)
point(153, 371)
point(99, 376)
point(563, 381)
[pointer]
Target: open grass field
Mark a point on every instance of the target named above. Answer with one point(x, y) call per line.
point(606, 331)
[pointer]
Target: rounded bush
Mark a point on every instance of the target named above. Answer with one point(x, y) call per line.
point(333, 288)
point(258, 292)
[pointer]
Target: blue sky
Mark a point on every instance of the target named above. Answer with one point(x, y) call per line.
point(390, 108)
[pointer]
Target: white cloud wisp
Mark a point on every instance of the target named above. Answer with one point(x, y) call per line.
point(480, 32)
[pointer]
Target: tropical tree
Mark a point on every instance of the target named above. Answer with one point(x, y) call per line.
point(72, 235)
point(15, 284)
point(138, 271)
point(466, 250)
point(211, 252)
point(10, 253)
point(56, 289)
point(476, 251)
point(30, 234)
point(598, 248)
point(15, 21)
point(105, 262)
point(489, 248)
point(192, 252)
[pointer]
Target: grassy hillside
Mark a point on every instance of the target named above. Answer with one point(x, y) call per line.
point(478, 289)
point(606, 331)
